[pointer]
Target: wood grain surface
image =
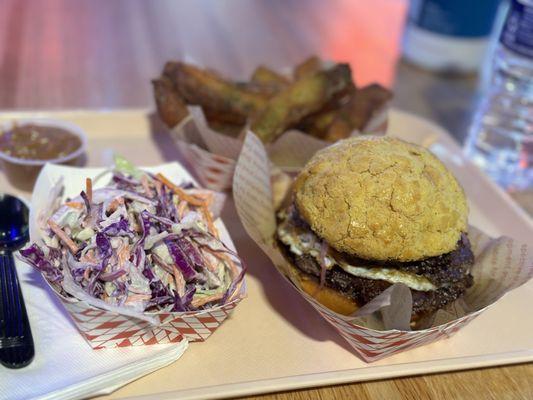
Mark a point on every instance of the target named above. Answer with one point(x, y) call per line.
point(101, 54)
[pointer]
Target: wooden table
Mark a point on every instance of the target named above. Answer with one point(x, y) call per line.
point(102, 54)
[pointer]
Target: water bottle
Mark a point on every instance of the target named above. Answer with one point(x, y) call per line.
point(500, 140)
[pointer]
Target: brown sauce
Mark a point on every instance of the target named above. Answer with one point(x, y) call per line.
point(35, 142)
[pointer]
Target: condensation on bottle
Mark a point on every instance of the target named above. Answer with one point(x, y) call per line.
point(500, 140)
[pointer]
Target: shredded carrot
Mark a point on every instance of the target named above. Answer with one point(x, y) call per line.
point(63, 236)
point(89, 189)
point(236, 291)
point(115, 203)
point(211, 261)
point(182, 209)
point(226, 258)
point(207, 299)
point(137, 297)
point(89, 257)
point(232, 266)
point(202, 195)
point(209, 219)
point(144, 182)
point(123, 253)
point(180, 192)
point(86, 274)
point(158, 186)
point(74, 204)
point(179, 281)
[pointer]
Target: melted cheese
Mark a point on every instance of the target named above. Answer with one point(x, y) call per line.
point(292, 238)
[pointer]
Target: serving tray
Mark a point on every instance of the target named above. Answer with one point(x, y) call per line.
point(275, 340)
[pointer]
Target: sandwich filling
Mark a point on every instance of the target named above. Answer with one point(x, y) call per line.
point(434, 281)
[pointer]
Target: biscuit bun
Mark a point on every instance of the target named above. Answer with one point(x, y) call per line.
point(381, 199)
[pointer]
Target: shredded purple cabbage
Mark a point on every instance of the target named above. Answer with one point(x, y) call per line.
point(181, 259)
point(35, 257)
point(138, 255)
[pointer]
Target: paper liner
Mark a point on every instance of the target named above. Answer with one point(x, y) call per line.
point(213, 155)
point(106, 329)
point(501, 265)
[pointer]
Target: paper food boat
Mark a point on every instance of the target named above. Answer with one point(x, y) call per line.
point(103, 328)
point(501, 265)
point(213, 155)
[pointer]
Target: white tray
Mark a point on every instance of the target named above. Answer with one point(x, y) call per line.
point(275, 341)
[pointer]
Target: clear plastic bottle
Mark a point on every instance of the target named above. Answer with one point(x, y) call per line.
point(500, 140)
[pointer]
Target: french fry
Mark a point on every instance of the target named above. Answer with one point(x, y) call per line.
point(307, 67)
point(320, 101)
point(269, 80)
point(223, 117)
point(225, 128)
point(207, 89)
point(301, 98)
point(170, 106)
point(318, 123)
point(356, 113)
point(226, 123)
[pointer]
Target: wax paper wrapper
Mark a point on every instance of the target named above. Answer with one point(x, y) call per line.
point(106, 326)
point(213, 155)
point(381, 328)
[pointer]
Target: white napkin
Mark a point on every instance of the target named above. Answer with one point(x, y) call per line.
point(65, 366)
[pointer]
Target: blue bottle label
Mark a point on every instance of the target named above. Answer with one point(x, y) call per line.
point(517, 33)
point(458, 18)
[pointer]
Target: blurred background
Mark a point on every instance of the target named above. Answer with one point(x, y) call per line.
point(437, 55)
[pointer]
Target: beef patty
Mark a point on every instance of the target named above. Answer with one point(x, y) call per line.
point(448, 272)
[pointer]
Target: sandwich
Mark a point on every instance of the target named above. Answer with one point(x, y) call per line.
point(367, 213)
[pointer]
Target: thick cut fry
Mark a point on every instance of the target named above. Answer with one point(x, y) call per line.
point(170, 106)
point(300, 99)
point(223, 117)
point(225, 128)
point(358, 111)
point(317, 124)
point(265, 75)
point(226, 123)
point(207, 89)
point(307, 67)
point(268, 80)
point(319, 100)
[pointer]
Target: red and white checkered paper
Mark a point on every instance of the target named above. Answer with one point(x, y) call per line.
point(501, 265)
point(371, 344)
point(105, 329)
point(213, 155)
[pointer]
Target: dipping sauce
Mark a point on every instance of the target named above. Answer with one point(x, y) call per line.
point(35, 142)
point(26, 146)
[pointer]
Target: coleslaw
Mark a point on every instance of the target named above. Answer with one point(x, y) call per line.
point(141, 242)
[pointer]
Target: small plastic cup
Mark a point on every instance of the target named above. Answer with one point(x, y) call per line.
point(21, 172)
